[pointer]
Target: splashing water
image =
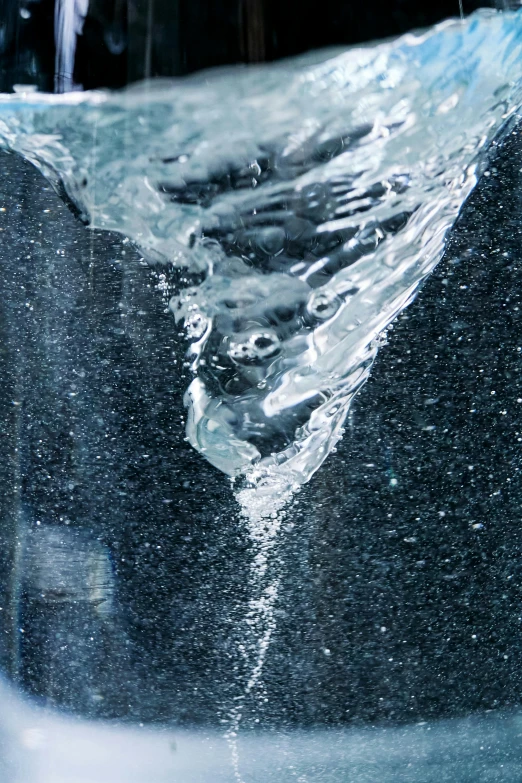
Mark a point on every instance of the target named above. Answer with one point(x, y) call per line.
point(296, 208)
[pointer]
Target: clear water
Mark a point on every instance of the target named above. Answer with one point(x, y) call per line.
point(292, 212)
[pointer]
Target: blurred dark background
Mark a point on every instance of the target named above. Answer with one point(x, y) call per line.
point(128, 40)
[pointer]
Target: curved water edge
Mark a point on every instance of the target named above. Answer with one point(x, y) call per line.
point(295, 208)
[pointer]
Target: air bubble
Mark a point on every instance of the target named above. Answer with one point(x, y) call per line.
point(196, 324)
point(270, 241)
point(256, 348)
point(323, 305)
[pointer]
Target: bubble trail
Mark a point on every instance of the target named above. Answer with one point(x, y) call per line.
point(264, 528)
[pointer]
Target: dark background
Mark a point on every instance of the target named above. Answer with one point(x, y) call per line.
point(127, 40)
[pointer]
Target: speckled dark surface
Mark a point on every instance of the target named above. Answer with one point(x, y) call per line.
point(93, 438)
point(402, 590)
point(416, 576)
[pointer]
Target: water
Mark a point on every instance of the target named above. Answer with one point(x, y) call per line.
point(291, 213)
point(296, 209)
